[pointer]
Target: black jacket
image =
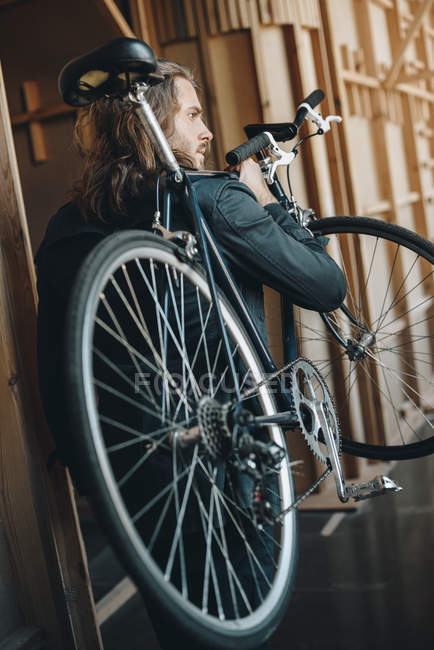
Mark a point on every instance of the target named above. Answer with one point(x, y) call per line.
point(262, 245)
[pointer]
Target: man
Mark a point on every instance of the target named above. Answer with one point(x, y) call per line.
point(116, 190)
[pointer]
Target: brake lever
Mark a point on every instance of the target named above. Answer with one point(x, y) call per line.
point(283, 157)
point(316, 118)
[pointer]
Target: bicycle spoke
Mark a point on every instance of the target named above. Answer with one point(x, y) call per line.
point(404, 383)
point(362, 294)
point(160, 495)
point(180, 513)
point(393, 304)
point(126, 477)
point(395, 414)
point(375, 383)
point(205, 342)
point(121, 374)
point(139, 356)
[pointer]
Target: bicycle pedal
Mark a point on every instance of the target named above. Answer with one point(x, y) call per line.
point(374, 488)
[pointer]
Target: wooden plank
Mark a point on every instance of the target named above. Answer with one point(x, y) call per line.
point(33, 103)
point(190, 18)
point(139, 20)
point(415, 92)
point(25, 638)
point(222, 16)
point(244, 14)
point(169, 15)
point(337, 178)
point(376, 208)
point(32, 529)
point(255, 29)
point(205, 56)
point(115, 599)
point(42, 114)
point(111, 12)
point(360, 79)
point(234, 19)
point(420, 213)
point(143, 23)
point(18, 509)
point(72, 555)
point(276, 12)
point(264, 11)
point(383, 4)
point(211, 17)
point(385, 171)
point(399, 55)
point(160, 21)
point(351, 254)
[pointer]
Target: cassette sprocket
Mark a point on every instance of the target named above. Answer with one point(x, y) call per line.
point(309, 389)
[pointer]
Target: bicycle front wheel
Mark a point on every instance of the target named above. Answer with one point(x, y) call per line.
point(378, 352)
point(148, 382)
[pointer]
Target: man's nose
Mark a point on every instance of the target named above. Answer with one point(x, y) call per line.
point(206, 134)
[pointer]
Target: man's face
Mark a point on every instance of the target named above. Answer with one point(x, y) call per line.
point(190, 136)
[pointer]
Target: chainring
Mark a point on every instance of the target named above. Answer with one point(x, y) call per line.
point(308, 387)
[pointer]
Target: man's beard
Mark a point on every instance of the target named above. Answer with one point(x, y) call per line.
point(188, 158)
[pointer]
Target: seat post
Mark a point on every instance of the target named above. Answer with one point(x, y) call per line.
point(153, 129)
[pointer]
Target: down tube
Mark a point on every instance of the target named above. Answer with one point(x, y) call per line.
point(232, 292)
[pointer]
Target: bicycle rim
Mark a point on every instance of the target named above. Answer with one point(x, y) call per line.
point(138, 365)
point(382, 377)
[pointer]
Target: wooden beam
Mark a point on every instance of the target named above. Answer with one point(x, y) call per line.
point(114, 600)
point(110, 11)
point(32, 103)
point(399, 56)
point(35, 526)
point(383, 4)
point(25, 638)
point(351, 76)
point(42, 114)
point(423, 74)
point(415, 92)
point(204, 49)
point(143, 23)
point(18, 466)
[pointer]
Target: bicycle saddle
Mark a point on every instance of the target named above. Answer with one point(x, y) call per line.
point(109, 69)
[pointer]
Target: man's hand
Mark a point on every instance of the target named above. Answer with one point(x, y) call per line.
point(251, 175)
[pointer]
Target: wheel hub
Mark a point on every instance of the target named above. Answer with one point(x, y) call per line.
point(358, 349)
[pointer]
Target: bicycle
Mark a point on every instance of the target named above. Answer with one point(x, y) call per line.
point(172, 458)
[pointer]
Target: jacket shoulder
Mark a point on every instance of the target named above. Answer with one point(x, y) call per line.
point(68, 222)
point(209, 188)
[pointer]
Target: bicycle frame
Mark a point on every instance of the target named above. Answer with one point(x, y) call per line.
point(217, 270)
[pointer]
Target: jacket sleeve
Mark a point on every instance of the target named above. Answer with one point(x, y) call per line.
point(269, 245)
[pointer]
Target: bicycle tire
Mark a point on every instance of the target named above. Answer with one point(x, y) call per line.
point(400, 261)
point(237, 623)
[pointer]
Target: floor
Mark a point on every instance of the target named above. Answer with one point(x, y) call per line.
point(365, 579)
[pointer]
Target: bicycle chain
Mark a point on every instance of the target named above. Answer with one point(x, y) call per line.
point(304, 496)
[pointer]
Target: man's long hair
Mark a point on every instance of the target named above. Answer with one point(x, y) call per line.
point(119, 160)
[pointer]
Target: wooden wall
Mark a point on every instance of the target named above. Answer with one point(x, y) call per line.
point(374, 58)
point(256, 59)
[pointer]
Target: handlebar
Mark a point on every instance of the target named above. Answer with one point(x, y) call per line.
point(288, 132)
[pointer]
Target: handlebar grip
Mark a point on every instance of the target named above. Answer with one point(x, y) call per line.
point(247, 149)
point(312, 100)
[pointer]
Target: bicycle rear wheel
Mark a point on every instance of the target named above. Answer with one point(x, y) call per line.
point(144, 370)
point(382, 369)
